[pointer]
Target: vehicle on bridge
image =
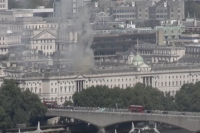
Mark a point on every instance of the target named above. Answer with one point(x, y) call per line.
point(50, 104)
point(136, 108)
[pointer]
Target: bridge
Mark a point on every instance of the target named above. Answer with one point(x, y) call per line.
point(189, 121)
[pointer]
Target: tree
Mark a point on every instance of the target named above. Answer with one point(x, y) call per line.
point(68, 103)
point(5, 120)
point(19, 107)
point(188, 98)
point(102, 96)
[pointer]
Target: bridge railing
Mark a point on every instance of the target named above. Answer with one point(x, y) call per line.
point(130, 113)
point(126, 110)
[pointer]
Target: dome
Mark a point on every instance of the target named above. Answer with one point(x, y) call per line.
point(138, 58)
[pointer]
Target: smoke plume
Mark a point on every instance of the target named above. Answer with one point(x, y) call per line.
point(84, 57)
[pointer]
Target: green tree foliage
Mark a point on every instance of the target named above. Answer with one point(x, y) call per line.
point(102, 96)
point(68, 103)
point(18, 107)
point(188, 98)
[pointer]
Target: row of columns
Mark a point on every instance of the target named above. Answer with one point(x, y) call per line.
point(80, 85)
point(148, 81)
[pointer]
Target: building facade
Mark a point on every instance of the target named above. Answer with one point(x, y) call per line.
point(171, 33)
point(8, 39)
point(167, 10)
point(67, 8)
point(44, 40)
point(61, 85)
point(3, 4)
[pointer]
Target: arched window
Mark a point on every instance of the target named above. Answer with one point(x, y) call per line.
point(52, 99)
point(65, 98)
point(61, 99)
point(56, 99)
point(43, 99)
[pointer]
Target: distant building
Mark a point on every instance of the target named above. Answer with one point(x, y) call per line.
point(109, 46)
point(193, 50)
point(148, 10)
point(189, 38)
point(171, 33)
point(67, 8)
point(40, 11)
point(161, 54)
point(8, 39)
point(192, 54)
point(168, 10)
point(3, 4)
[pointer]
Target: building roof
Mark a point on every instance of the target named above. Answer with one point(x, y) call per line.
point(138, 58)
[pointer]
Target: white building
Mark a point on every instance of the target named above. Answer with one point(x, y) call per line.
point(61, 85)
point(44, 40)
point(3, 4)
point(8, 39)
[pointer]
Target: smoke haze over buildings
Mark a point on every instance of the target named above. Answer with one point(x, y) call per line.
point(83, 54)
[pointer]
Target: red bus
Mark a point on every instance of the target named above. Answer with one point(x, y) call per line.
point(50, 104)
point(136, 108)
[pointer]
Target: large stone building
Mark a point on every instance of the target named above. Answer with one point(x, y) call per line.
point(171, 33)
point(58, 83)
point(64, 9)
point(30, 28)
point(160, 54)
point(111, 45)
point(168, 10)
point(145, 10)
point(3, 4)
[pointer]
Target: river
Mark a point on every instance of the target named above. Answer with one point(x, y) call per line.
point(122, 128)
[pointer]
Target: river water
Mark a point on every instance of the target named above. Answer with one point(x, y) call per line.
point(171, 131)
point(162, 131)
point(124, 128)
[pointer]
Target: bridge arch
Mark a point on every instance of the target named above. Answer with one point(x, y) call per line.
point(104, 119)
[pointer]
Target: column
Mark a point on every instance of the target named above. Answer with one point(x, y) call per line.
point(147, 81)
point(81, 85)
point(143, 80)
point(151, 81)
point(101, 130)
point(76, 86)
